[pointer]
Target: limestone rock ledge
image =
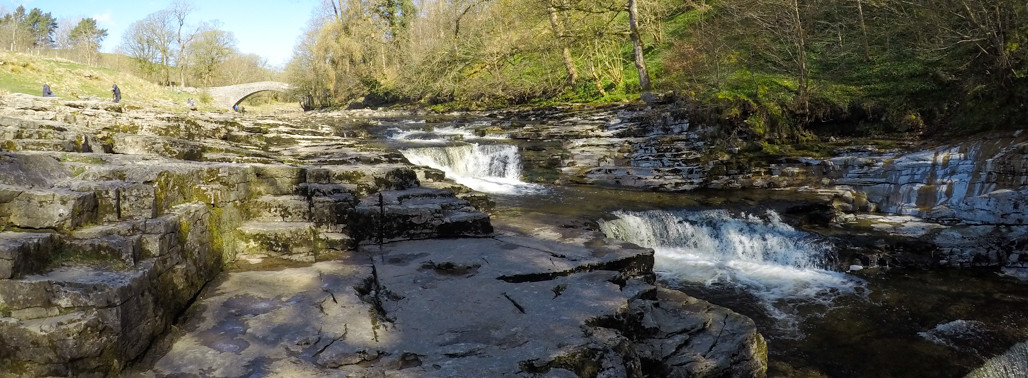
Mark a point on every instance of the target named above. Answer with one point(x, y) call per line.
point(113, 220)
point(510, 305)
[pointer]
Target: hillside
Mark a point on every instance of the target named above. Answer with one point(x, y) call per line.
point(23, 73)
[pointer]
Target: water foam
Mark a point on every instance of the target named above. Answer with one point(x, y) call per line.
point(490, 168)
point(438, 134)
point(761, 254)
point(945, 333)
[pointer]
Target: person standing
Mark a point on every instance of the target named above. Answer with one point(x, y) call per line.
point(47, 92)
point(117, 93)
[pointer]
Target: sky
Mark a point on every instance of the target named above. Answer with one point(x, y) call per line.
point(269, 28)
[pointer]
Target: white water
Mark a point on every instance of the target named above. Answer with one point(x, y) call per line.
point(437, 134)
point(944, 333)
point(490, 168)
point(759, 254)
point(1013, 363)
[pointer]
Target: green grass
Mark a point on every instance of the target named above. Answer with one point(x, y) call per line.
point(24, 73)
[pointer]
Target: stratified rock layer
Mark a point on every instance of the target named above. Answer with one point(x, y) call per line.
point(509, 305)
point(113, 219)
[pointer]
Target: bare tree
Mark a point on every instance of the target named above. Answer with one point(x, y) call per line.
point(558, 33)
point(149, 42)
point(208, 51)
point(637, 48)
point(179, 11)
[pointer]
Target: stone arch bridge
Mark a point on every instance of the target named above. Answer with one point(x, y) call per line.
point(227, 97)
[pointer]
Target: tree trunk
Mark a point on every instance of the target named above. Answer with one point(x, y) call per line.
point(803, 81)
point(596, 79)
point(558, 33)
point(640, 63)
point(863, 29)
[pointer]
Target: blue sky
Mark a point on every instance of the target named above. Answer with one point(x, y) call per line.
point(269, 28)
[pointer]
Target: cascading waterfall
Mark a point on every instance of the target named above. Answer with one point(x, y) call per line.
point(440, 134)
point(491, 168)
point(763, 255)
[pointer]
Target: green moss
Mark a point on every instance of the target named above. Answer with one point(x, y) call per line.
point(85, 159)
point(67, 257)
point(183, 231)
point(350, 177)
point(217, 235)
point(170, 189)
point(9, 145)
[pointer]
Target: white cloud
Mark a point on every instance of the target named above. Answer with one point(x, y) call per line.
point(104, 19)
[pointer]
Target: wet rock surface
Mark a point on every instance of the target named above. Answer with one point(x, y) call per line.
point(509, 305)
point(113, 219)
point(972, 192)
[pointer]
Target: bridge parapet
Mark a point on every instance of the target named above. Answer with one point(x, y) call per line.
point(228, 96)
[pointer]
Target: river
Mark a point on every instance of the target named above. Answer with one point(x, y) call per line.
point(745, 250)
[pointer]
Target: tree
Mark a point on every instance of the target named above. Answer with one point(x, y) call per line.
point(42, 26)
point(243, 68)
point(637, 49)
point(63, 37)
point(558, 33)
point(179, 11)
point(16, 29)
point(397, 15)
point(86, 38)
point(208, 51)
point(149, 42)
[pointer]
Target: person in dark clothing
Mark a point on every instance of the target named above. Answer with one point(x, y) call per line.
point(47, 92)
point(117, 93)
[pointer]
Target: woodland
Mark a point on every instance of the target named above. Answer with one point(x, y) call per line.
point(767, 69)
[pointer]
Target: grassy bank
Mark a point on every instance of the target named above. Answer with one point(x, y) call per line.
point(25, 73)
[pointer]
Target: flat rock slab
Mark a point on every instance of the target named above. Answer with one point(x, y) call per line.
point(462, 307)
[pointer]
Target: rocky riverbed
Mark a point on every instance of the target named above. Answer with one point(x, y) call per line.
point(154, 243)
point(163, 242)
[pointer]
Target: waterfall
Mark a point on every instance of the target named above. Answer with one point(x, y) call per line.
point(760, 254)
point(491, 168)
point(1013, 363)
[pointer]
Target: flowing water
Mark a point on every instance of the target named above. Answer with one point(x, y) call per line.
point(489, 168)
point(736, 249)
point(481, 162)
point(757, 253)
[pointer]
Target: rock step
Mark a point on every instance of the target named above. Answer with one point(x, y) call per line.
point(52, 293)
point(337, 241)
point(24, 253)
point(106, 249)
point(118, 200)
point(324, 210)
point(51, 145)
point(299, 241)
point(418, 213)
point(59, 209)
point(270, 208)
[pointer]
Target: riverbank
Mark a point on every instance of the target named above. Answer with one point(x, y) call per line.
point(116, 218)
point(135, 202)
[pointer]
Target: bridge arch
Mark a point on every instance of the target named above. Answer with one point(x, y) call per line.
point(229, 96)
